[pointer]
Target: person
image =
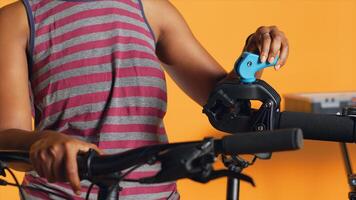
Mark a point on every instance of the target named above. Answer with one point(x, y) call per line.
point(90, 73)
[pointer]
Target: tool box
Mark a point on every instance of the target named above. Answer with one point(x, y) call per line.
point(328, 103)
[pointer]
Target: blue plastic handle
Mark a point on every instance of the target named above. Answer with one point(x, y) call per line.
point(248, 64)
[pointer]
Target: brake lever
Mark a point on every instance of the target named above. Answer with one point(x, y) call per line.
point(184, 162)
point(224, 173)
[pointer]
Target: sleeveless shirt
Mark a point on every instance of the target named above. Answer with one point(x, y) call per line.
point(94, 75)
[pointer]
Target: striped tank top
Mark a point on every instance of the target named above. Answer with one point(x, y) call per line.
point(94, 75)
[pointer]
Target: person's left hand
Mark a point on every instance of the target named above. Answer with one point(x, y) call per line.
point(269, 42)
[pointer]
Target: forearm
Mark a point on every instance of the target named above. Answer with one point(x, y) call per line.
point(19, 140)
point(197, 84)
point(16, 139)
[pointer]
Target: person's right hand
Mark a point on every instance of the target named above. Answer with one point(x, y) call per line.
point(54, 157)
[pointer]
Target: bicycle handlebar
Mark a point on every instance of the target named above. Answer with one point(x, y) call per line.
point(191, 160)
point(243, 143)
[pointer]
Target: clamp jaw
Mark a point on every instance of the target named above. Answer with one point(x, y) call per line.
point(229, 107)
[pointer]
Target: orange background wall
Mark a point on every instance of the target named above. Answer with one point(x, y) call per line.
point(322, 58)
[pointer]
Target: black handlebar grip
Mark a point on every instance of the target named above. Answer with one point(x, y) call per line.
point(259, 142)
point(324, 127)
point(84, 162)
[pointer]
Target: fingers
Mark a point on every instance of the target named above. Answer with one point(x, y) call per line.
point(34, 157)
point(275, 46)
point(71, 164)
point(271, 43)
point(44, 162)
point(283, 55)
point(72, 168)
point(264, 42)
point(46, 166)
point(56, 154)
point(57, 163)
point(99, 151)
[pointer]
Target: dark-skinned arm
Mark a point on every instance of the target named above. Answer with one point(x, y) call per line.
point(194, 70)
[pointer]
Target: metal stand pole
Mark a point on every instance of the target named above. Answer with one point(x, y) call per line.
point(350, 176)
point(233, 189)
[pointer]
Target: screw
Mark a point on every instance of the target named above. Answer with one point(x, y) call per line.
point(233, 116)
point(249, 64)
point(353, 182)
point(260, 128)
point(269, 104)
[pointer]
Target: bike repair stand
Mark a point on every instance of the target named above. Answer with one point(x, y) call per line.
point(351, 112)
point(229, 105)
point(235, 164)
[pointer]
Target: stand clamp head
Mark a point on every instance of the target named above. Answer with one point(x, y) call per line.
point(229, 108)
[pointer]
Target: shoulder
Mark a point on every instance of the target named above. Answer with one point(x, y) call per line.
point(14, 22)
point(162, 16)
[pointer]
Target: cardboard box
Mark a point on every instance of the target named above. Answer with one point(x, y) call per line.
point(328, 103)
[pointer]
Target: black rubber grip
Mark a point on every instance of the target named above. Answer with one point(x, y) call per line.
point(266, 141)
point(323, 127)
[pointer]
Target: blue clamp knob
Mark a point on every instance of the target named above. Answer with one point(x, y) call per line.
point(248, 64)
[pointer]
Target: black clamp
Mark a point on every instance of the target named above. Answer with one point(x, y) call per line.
point(229, 106)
